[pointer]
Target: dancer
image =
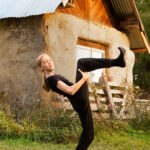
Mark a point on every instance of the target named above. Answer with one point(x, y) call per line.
point(78, 93)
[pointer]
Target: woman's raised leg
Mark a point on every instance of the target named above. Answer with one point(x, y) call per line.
point(90, 64)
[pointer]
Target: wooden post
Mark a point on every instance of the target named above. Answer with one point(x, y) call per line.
point(109, 95)
point(95, 95)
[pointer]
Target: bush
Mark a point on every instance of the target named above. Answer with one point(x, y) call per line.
point(8, 127)
point(46, 124)
point(49, 124)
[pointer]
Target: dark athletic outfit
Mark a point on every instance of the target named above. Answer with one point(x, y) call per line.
point(80, 100)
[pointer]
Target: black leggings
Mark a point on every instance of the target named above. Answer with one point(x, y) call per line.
point(80, 100)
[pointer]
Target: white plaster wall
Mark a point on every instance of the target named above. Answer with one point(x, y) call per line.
point(63, 32)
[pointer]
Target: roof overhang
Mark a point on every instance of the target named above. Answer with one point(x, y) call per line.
point(129, 21)
point(24, 8)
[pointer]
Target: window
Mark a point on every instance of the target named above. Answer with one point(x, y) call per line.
point(83, 52)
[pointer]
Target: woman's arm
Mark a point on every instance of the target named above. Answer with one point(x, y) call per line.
point(71, 90)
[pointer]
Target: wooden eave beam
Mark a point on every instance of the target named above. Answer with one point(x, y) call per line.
point(139, 50)
point(129, 23)
point(145, 41)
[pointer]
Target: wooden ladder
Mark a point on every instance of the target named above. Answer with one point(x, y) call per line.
point(109, 98)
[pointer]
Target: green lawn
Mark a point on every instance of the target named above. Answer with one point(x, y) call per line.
point(137, 140)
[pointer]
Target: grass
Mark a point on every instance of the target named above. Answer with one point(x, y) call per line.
point(53, 129)
point(133, 140)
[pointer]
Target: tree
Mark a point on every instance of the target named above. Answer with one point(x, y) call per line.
point(144, 11)
point(142, 64)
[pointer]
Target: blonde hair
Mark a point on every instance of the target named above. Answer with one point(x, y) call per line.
point(38, 63)
point(39, 59)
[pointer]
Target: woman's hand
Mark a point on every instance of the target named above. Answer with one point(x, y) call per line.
point(71, 90)
point(84, 74)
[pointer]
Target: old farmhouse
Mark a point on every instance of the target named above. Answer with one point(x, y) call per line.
point(66, 30)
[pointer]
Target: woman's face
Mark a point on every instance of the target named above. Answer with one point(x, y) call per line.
point(47, 63)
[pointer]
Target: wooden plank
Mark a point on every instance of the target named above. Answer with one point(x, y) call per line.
point(96, 11)
point(117, 100)
point(100, 91)
point(128, 24)
point(90, 90)
point(145, 41)
point(91, 44)
point(139, 50)
point(92, 99)
point(81, 9)
point(103, 99)
point(101, 12)
point(126, 17)
point(115, 84)
point(93, 106)
point(143, 100)
point(128, 116)
point(109, 96)
point(113, 91)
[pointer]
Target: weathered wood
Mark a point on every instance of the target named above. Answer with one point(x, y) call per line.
point(95, 95)
point(104, 99)
point(145, 41)
point(143, 100)
point(113, 91)
point(99, 100)
point(90, 10)
point(128, 24)
point(139, 50)
point(103, 108)
point(115, 84)
point(100, 91)
point(110, 100)
point(100, 13)
point(91, 44)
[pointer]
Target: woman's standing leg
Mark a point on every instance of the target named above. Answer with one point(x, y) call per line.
point(82, 105)
point(87, 135)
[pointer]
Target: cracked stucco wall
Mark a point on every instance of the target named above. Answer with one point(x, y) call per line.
point(21, 41)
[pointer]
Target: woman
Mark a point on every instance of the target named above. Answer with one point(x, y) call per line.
point(78, 93)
